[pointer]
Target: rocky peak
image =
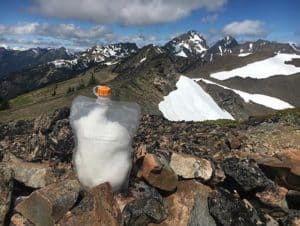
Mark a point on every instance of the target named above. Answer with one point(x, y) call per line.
point(101, 53)
point(223, 46)
point(187, 45)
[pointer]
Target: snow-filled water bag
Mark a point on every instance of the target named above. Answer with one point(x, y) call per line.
point(103, 131)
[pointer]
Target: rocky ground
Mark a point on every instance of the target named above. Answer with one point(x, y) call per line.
point(184, 173)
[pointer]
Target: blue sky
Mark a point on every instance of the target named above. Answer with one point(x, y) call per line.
point(79, 24)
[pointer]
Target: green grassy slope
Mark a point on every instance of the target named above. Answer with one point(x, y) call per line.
point(32, 104)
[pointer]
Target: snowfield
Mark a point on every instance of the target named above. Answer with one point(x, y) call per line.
point(262, 69)
point(189, 102)
point(270, 102)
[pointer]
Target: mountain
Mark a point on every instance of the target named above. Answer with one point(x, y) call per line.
point(62, 69)
point(190, 44)
point(16, 60)
point(222, 47)
point(242, 79)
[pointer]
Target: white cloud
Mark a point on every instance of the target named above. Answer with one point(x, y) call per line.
point(129, 12)
point(48, 35)
point(209, 18)
point(246, 28)
point(64, 31)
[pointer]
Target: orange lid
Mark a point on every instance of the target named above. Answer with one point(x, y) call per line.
point(103, 91)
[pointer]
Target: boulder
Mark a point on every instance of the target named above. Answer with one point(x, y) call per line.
point(190, 167)
point(157, 172)
point(229, 210)
point(97, 208)
point(293, 199)
point(6, 187)
point(34, 175)
point(244, 175)
point(283, 167)
point(188, 205)
point(146, 206)
point(274, 196)
point(47, 205)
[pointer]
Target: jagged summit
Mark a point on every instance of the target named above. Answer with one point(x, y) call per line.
point(187, 44)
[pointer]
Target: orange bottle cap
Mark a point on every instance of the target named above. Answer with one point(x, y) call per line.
point(103, 91)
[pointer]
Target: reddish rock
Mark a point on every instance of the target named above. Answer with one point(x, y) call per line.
point(283, 167)
point(188, 206)
point(19, 220)
point(274, 197)
point(97, 208)
point(46, 206)
point(158, 173)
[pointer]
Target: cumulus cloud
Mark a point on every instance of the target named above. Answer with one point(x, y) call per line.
point(209, 18)
point(251, 28)
point(129, 12)
point(61, 34)
point(64, 31)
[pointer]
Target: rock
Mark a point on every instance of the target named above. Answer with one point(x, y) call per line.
point(270, 221)
point(34, 175)
point(44, 122)
point(188, 206)
point(147, 206)
point(158, 173)
point(218, 175)
point(60, 141)
point(233, 142)
point(6, 187)
point(228, 209)
point(46, 206)
point(293, 199)
point(19, 220)
point(274, 196)
point(97, 208)
point(244, 175)
point(283, 167)
point(190, 167)
point(292, 219)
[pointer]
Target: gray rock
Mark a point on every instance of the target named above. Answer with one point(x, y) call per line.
point(147, 206)
point(244, 175)
point(6, 187)
point(230, 210)
point(46, 206)
point(189, 167)
point(34, 175)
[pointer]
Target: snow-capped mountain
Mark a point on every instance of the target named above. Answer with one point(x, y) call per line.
point(265, 46)
point(223, 46)
point(15, 60)
point(105, 54)
point(190, 44)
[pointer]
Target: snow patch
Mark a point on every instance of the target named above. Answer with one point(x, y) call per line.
point(142, 60)
point(244, 54)
point(181, 54)
point(189, 102)
point(270, 102)
point(262, 69)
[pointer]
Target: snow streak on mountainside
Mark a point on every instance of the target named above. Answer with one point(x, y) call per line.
point(190, 102)
point(270, 102)
point(262, 69)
